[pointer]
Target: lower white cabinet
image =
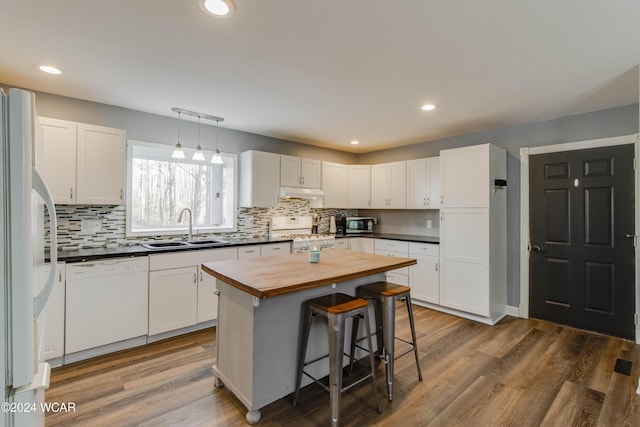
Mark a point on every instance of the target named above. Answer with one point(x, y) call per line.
point(207, 297)
point(52, 316)
point(173, 299)
point(248, 252)
point(361, 244)
point(275, 249)
point(180, 294)
point(394, 248)
point(424, 278)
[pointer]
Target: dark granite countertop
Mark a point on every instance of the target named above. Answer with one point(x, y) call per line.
point(88, 254)
point(390, 236)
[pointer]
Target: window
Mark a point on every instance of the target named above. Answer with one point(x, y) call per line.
point(159, 187)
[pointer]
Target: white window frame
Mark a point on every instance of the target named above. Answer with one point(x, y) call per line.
point(182, 229)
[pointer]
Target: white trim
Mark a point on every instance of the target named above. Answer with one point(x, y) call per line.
point(525, 152)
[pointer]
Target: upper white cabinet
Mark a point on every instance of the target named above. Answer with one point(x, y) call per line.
point(58, 159)
point(334, 179)
point(359, 186)
point(259, 179)
point(468, 175)
point(83, 164)
point(423, 183)
point(388, 185)
point(297, 172)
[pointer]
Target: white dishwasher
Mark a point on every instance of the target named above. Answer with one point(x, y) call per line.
point(106, 302)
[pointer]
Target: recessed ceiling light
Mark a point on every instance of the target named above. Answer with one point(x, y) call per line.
point(428, 107)
point(49, 69)
point(354, 142)
point(218, 8)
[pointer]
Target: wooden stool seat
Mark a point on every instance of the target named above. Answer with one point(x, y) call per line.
point(385, 289)
point(337, 303)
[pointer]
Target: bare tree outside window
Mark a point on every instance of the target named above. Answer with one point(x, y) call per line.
point(160, 186)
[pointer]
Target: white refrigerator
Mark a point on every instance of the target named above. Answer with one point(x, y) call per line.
point(22, 205)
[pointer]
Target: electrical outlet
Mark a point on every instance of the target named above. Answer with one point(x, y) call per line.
point(429, 224)
point(91, 225)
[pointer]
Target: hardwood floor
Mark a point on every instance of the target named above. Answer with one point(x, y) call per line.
point(522, 372)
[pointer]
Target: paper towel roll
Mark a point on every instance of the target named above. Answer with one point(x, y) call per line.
point(332, 224)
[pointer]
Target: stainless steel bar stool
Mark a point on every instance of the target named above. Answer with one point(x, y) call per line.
point(336, 308)
point(385, 296)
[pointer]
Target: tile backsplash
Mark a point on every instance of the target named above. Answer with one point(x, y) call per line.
point(96, 226)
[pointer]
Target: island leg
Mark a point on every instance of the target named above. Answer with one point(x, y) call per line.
point(253, 416)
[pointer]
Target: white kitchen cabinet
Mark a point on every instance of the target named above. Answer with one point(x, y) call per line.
point(343, 243)
point(207, 298)
point(395, 248)
point(359, 186)
point(473, 232)
point(298, 172)
point(423, 183)
point(58, 158)
point(100, 165)
point(424, 277)
point(361, 244)
point(388, 185)
point(275, 249)
point(173, 299)
point(259, 179)
point(335, 177)
point(83, 164)
point(248, 252)
point(53, 315)
point(180, 295)
point(468, 175)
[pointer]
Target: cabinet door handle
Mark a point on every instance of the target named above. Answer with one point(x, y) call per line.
point(428, 201)
point(121, 194)
point(195, 278)
point(442, 199)
point(60, 277)
point(437, 266)
point(216, 292)
point(201, 275)
point(71, 193)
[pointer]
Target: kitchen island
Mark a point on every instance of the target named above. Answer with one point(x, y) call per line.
point(259, 312)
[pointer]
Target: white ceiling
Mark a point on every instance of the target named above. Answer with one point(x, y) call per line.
point(324, 72)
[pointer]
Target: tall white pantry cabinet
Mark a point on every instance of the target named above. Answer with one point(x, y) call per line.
point(473, 243)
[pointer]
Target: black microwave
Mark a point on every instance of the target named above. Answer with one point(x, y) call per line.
point(359, 224)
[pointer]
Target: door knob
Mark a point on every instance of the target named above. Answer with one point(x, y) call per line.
point(535, 248)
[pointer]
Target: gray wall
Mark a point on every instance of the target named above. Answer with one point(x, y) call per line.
point(600, 124)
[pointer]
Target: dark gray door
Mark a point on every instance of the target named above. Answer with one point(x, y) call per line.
point(582, 221)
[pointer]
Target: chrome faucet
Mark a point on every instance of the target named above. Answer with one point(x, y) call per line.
point(190, 221)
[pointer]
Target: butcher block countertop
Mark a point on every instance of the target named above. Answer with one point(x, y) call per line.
point(282, 274)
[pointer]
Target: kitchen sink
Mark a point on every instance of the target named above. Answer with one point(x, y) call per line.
point(207, 242)
point(163, 245)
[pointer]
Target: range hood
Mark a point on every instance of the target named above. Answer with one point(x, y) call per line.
point(301, 193)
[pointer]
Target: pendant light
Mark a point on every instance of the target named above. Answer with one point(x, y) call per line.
point(217, 158)
point(198, 155)
point(178, 152)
